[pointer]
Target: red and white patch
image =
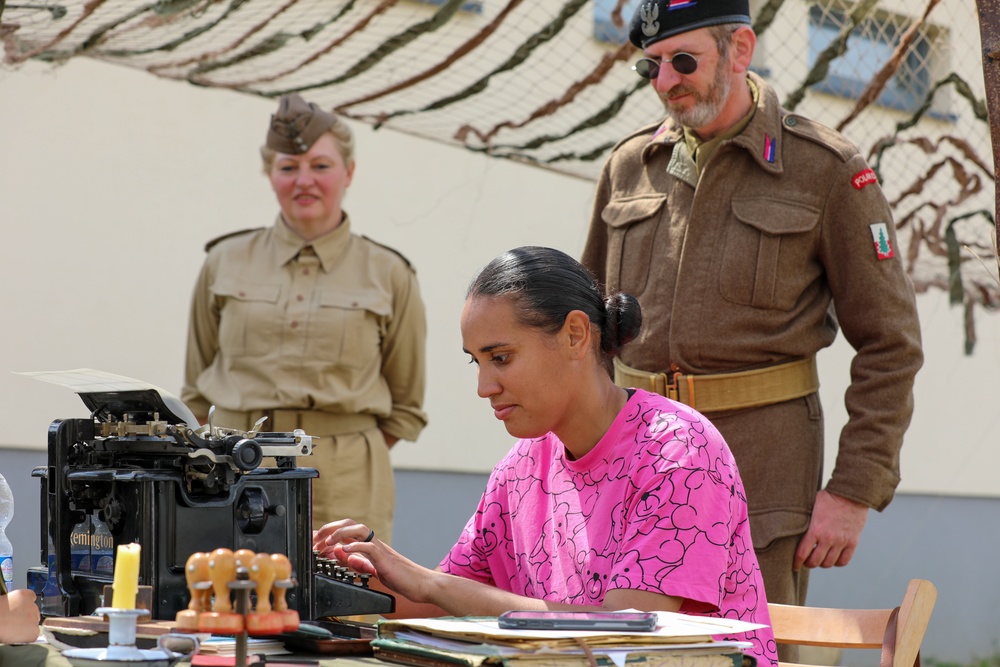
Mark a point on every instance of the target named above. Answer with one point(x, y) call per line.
point(880, 237)
point(863, 178)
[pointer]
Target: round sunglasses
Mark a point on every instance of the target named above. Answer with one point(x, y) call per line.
point(683, 63)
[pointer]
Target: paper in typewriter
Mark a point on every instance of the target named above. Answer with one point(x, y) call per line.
point(90, 381)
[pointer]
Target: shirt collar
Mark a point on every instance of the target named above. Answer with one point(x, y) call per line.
point(760, 137)
point(329, 248)
point(702, 150)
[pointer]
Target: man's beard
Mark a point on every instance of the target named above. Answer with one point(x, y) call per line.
point(706, 107)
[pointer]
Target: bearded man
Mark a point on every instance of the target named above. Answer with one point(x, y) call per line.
point(750, 236)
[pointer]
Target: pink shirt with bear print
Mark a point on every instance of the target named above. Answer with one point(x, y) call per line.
point(657, 505)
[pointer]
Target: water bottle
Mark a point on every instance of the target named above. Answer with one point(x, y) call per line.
point(6, 548)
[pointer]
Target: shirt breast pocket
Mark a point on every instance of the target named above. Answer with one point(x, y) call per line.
point(249, 323)
point(349, 326)
point(769, 257)
point(632, 226)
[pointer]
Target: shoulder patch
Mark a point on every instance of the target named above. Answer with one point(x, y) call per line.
point(217, 239)
point(390, 249)
point(821, 135)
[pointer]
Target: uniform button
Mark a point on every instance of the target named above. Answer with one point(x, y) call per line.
point(243, 293)
point(354, 304)
point(294, 325)
point(299, 297)
point(790, 121)
point(305, 272)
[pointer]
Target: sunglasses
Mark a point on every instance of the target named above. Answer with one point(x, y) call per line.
point(683, 63)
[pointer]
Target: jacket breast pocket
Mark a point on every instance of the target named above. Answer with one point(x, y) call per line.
point(348, 327)
point(249, 322)
point(632, 224)
point(769, 257)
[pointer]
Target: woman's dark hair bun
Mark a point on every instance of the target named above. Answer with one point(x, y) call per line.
point(546, 284)
point(624, 319)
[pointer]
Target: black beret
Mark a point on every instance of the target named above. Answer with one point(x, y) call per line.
point(297, 125)
point(658, 19)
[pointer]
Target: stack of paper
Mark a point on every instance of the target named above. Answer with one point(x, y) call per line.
point(679, 641)
point(223, 645)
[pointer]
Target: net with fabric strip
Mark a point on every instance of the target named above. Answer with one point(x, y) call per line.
point(548, 83)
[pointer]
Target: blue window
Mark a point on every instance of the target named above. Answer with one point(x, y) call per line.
point(605, 29)
point(869, 47)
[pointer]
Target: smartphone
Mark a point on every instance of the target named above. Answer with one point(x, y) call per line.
point(630, 621)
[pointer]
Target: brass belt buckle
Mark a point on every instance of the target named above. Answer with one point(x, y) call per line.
point(675, 391)
point(661, 385)
point(672, 389)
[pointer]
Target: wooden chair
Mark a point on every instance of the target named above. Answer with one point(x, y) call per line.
point(898, 632)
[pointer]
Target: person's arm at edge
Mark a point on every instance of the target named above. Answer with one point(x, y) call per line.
point(423, 592)
point(878, 317)
point(202, 342)
point(19, 617)
point(404, 361)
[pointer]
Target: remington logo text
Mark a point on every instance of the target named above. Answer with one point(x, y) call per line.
point(103, 542)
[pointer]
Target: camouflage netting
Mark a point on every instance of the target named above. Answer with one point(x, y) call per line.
point(547, 82)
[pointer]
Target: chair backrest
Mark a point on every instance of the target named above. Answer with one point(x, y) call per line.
point(861, 628)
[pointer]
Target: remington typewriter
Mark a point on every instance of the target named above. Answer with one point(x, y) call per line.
point(142, 470)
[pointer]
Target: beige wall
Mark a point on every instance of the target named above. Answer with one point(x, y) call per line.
point(111, 181)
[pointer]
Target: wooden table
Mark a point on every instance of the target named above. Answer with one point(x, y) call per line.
point(44, 655)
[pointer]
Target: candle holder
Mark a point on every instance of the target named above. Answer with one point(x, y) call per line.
point(121, 632)
point(121, 644)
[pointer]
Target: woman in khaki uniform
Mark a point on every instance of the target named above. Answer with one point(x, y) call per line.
point(313, 326)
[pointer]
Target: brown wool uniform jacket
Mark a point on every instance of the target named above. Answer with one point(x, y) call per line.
point(741, 268)
point(339, 330)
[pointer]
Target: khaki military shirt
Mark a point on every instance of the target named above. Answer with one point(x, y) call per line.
point(740, 267)
point(335, 325)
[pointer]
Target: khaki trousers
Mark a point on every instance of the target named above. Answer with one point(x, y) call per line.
point(779, 452)
point(349, 451)
point(355, 481)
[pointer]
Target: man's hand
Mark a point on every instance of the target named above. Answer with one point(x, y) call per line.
point(833, 534)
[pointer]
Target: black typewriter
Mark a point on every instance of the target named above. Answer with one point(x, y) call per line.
point(142, 470)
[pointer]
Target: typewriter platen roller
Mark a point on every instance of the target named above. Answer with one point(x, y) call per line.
point(141, 469)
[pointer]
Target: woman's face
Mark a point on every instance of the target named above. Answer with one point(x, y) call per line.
point(521, 369)
point(310, 187)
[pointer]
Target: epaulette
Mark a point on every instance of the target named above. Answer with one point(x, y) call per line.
point(390, 249)
point(646, 129)
point(211, 244)
point(820, 134)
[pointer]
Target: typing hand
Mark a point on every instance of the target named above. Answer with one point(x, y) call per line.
point(340, 532)
point(357, 547)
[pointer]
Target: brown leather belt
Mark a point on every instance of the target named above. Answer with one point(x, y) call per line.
point(718, 392)
point(313, 422)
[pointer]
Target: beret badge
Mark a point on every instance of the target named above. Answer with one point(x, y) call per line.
point(649, 12)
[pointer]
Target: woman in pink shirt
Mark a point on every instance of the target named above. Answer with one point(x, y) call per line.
point(610, 498)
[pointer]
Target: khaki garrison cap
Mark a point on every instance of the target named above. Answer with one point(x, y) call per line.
point(297, 125)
